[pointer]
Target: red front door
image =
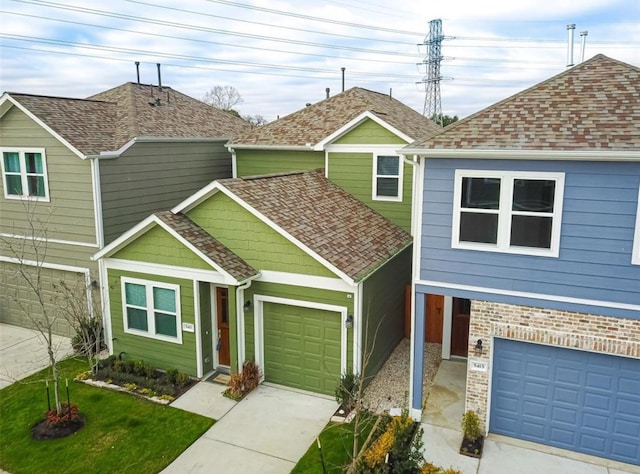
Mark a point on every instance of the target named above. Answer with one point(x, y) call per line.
point(222, 310)
point(461, 314)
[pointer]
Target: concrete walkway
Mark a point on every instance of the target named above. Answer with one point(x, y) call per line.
point(501, 455)
point(267, 432)
point(23, 352)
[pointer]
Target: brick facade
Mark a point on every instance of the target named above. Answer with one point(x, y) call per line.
point(587, 332)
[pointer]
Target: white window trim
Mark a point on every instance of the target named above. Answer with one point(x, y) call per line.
point(635, 254)
point(23, 173)
point(375, 176)
point(149, 285)
point(505, 212)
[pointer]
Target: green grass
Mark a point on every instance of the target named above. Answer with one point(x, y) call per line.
point(337, 447)
point(123, 433)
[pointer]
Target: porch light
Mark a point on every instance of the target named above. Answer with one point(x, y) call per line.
point(349, 321)
point(247, 306)
point(478, 348)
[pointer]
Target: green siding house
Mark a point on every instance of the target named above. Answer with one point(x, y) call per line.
point(86, 170)
point(354, 136)
point(287, 269)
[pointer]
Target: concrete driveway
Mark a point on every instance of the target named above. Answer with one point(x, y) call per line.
point(23, 352)
point(267, 432)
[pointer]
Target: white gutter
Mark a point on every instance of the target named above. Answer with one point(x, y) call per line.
point(240, 318)
point(239, 146)
point(108, 155)
point(547, 155)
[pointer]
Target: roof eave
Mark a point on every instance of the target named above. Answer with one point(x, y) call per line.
point(247, 146)
point(111, 154)
point(507, 154)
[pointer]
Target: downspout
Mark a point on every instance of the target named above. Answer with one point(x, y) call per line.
point(240, 318)
point(414, 164)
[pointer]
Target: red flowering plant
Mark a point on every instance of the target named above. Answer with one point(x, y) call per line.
point(69, 414)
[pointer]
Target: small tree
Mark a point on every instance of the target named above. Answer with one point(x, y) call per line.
point(443, 120)
point(223, 97)
point(82, 309)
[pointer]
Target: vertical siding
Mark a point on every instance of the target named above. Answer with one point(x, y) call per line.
point(158, 246)
point(353, 172)
point(599, 212)
point(258, 162)
point(297, 293)
point(371, 133)
point(251, 239)
point(70, 214)
point(383, 309)
point(156, 176)
point(160, 354)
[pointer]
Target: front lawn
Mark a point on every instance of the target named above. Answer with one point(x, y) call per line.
point(123, 433)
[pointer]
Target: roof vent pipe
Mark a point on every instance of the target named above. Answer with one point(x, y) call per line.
point(327, 90)
point(159, 78)
point(570, 30)
point(138, 71)
point(583, 44)
point(343, 78)
point(390, 93)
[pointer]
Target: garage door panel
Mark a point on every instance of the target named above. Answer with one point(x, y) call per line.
point(302, 347)
point(589, 403)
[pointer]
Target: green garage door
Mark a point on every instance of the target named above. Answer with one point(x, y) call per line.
point(301, 347)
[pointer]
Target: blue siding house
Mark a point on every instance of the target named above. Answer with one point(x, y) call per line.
point(530, 236)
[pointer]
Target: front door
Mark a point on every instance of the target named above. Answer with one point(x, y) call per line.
point(460, 327)
point(435, 319)
point(222, 311)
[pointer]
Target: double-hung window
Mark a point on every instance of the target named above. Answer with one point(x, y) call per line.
point(24, 173)
point(152, 309)
point(635, 253)
point(506, 211)
point(387, 178)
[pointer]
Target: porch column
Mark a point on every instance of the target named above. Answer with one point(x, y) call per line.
point(417, 354)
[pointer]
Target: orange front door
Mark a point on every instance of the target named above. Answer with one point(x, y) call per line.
point(222, 311)
point(435, 319)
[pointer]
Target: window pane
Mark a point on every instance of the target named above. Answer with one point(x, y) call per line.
point(137, 319)
point(33, 162)
point(534, 195)
point(388, 165)
point(164, 299)
point(11, 162)
point(387, 187)
point(166, 324)
point(36, 185)
point(531, 231)
point(135, 294)
point(476, 227)
point(480, 193)
point(14, 185)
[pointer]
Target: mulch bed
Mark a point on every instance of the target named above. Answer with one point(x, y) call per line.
point(41, 431)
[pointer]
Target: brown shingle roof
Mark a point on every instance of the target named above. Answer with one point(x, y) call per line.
point(176, 116)
point(88, 125)
point(110, 119)
point(209, 246)
point(593, 106)
point(329, 221)
point(316, 122)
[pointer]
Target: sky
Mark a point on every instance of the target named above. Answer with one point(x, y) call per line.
point(281, 55)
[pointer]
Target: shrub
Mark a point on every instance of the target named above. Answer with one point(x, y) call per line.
point(471, 425)
point(347, 390)
point(250, 375)
point(235, 386)
point(69, 414)
point(87, 336)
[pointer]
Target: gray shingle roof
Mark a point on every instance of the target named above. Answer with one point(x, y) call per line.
point(592, 106)
point(108, 120)
point(208, 245)
point(329, 221)
point(315, 122)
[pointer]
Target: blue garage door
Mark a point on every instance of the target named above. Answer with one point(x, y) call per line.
point(571, 399)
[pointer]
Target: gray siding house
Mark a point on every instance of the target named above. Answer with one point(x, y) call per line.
point(88, 169)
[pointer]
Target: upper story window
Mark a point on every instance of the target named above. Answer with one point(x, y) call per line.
point(635, 254)
point(24, 173)
point(152, 309)
point(387, 178)
point(506, 211)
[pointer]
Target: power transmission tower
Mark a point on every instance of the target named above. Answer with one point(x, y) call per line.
point(433, 42)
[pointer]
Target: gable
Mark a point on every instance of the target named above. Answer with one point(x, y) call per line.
point(158, 246)
point(251, 239)
point(371, 133)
